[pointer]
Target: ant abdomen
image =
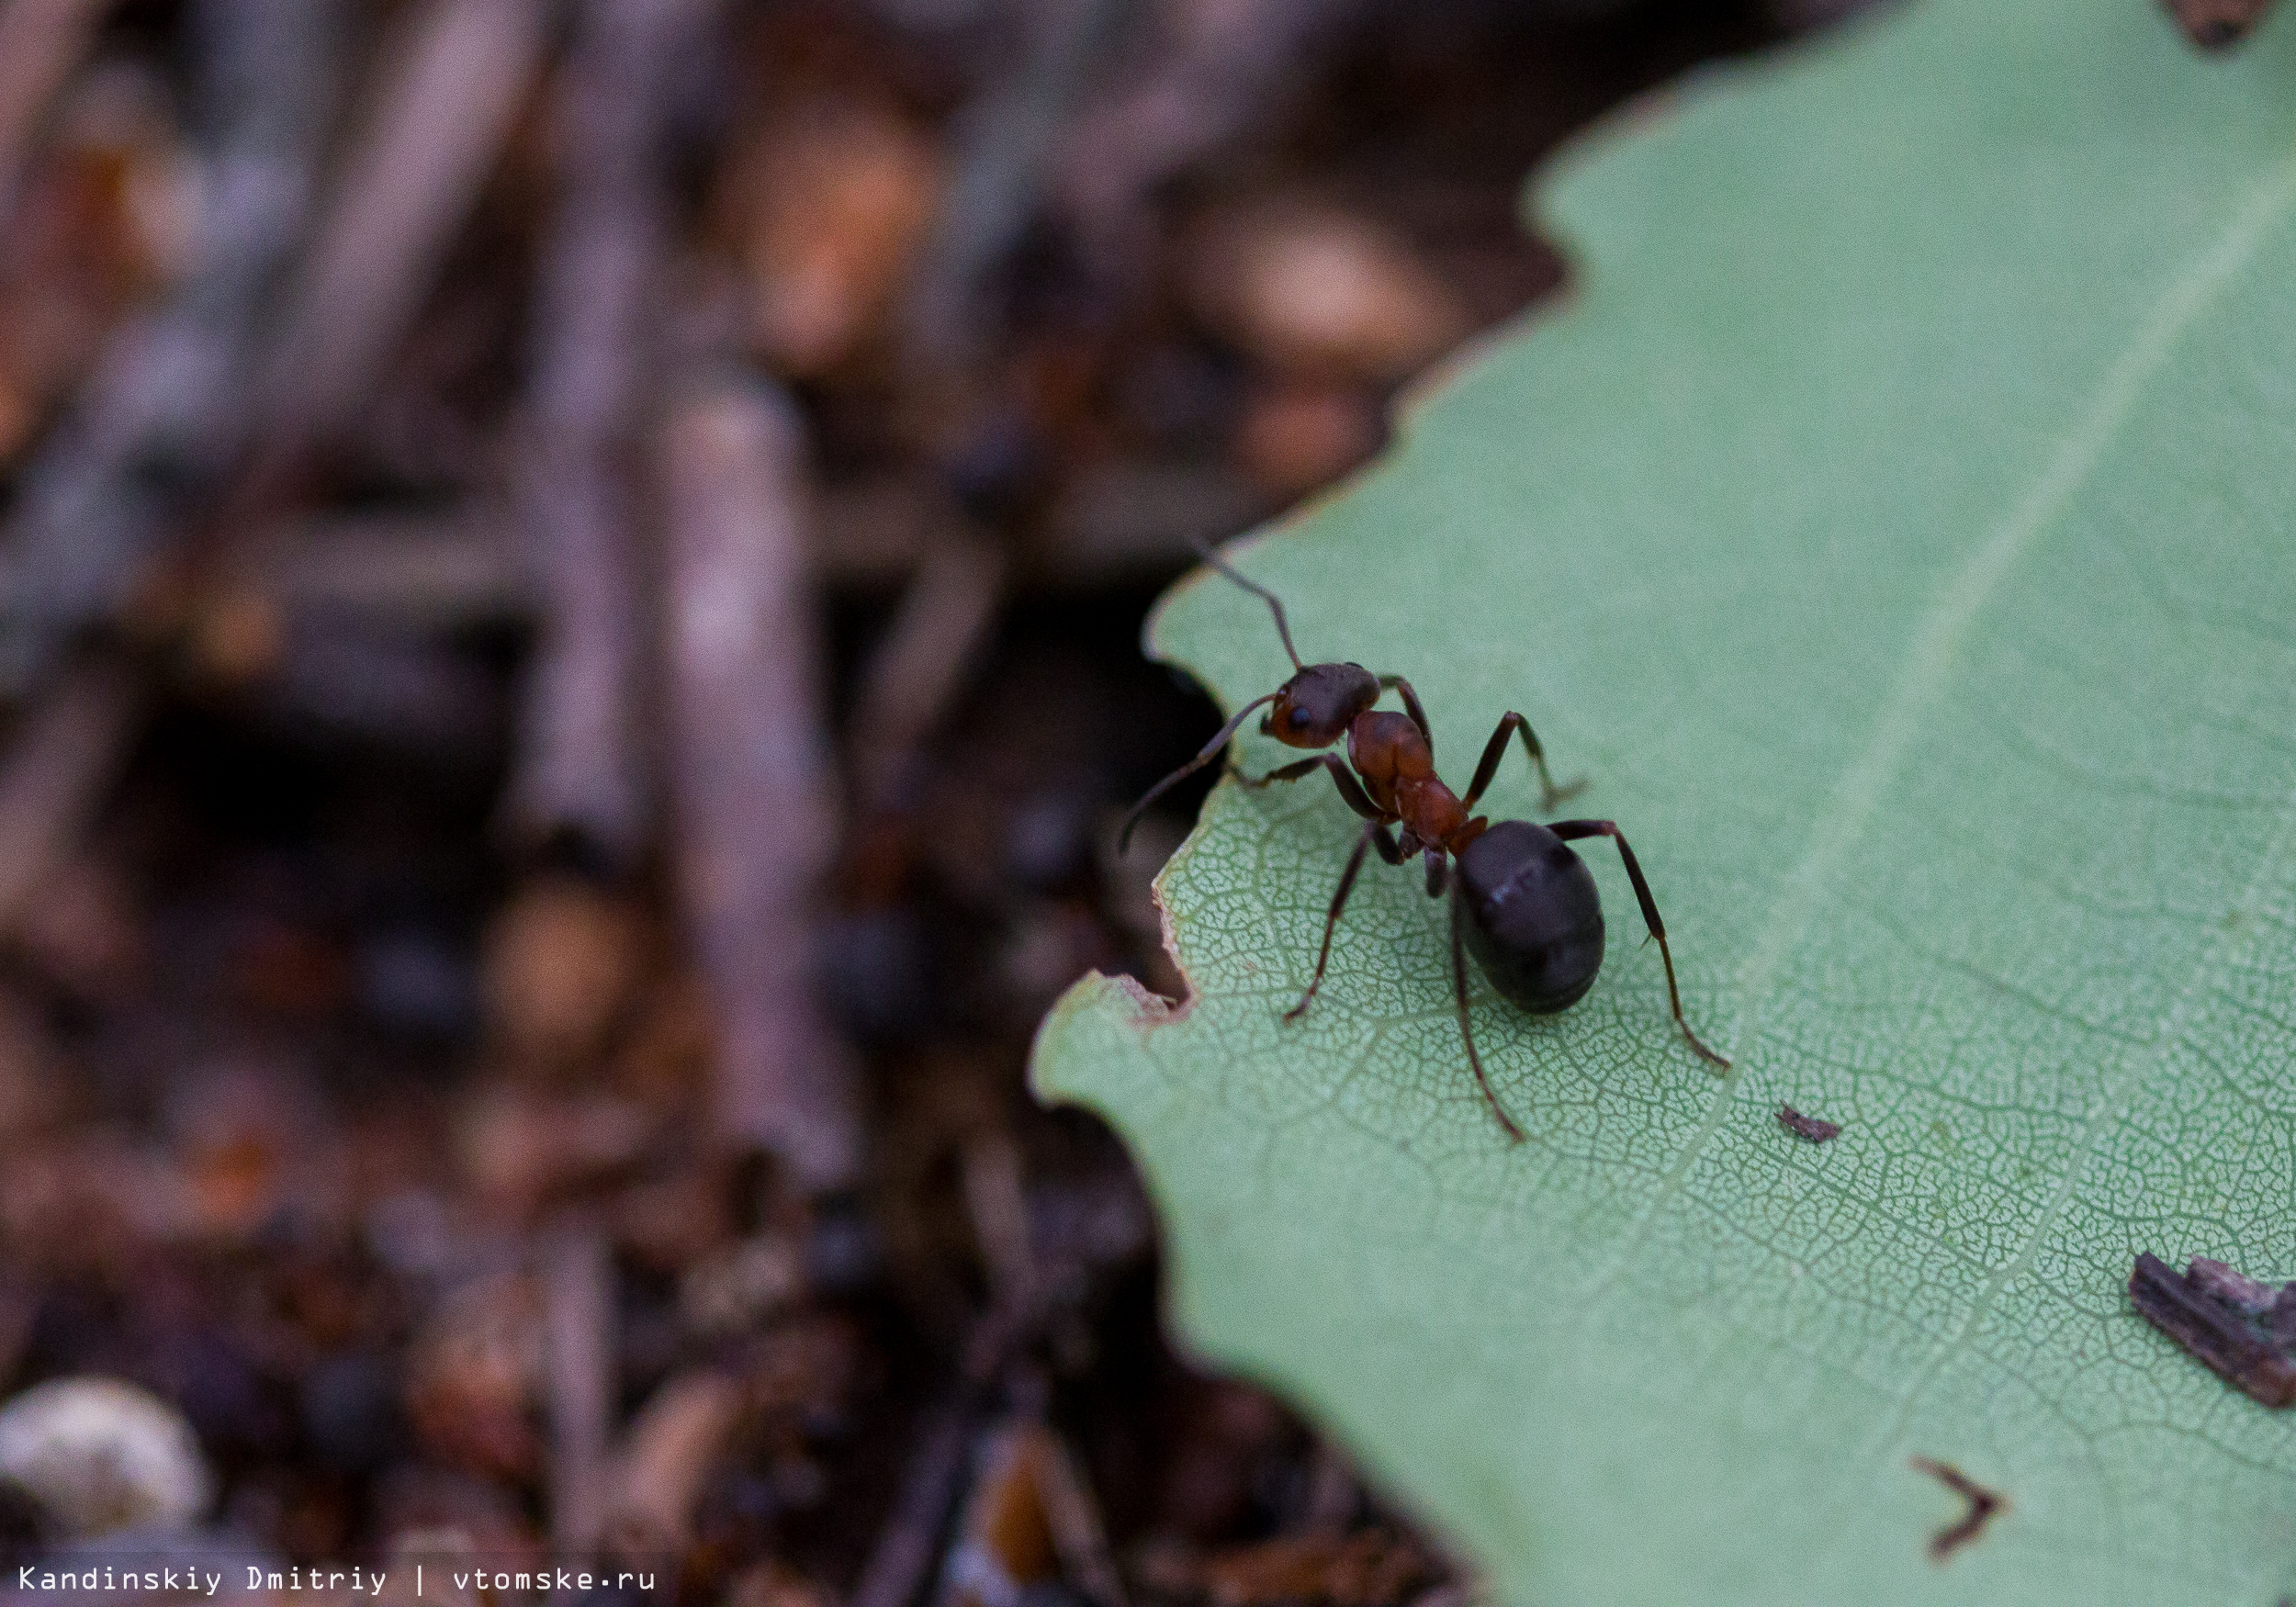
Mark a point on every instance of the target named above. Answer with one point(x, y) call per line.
point(1533, 920)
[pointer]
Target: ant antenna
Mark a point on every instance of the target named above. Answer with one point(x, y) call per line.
point(1211, 751)
point(1204, 551)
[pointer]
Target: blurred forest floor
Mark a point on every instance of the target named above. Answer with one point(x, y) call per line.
point(570, 577)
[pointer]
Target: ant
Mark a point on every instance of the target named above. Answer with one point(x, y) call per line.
point(1523, 903)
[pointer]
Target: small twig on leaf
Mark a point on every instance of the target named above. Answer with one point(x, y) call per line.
point(1983, 1504)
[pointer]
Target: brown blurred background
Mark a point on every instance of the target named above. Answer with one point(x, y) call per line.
point(570, 573)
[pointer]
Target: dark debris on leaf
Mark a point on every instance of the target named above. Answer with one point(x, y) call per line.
point(1983, 1504)
point(2243, 1331)
point(1807, 1127)
point(2217, 24)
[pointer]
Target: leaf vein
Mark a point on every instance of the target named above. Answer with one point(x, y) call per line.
point(1944, 628)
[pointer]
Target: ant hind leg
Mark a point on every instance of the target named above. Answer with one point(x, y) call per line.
point(1467, 1032)
point(1570, 831)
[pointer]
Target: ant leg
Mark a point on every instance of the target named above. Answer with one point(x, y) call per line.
point(1374, 835)
point(1569, 830)
point(1495, 750)
point(1211, 751)
point(1285, 772)
point(1467, 1033)
point(1350, 791)
point(1438, 872)
point(1397, 684)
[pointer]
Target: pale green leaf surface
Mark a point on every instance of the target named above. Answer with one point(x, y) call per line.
point(1898, 524)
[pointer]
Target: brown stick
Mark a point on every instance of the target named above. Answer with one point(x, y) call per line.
point(904, 1552)
point(910, 1539)
point(916, 672)
point(1005, 161)
point(755, 795)
point(415, 573)
point(1120, 526)
point(41, 42)
point(414, 169)
point(997, 1199)
point(1079, 1535)
point(171, 387)
point(1227, 67)
point(55, 774)
point(579, 1320)
point(581, 770)
point(665, 1461)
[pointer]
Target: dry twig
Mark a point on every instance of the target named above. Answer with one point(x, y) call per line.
point(1003, 170)
point(416, 573)
point(1079, 1533)
point(666, 1460)
point(41, 42)
point(56, 771)
point(579, 1320)
point(913, 674)
point(756, 798)
point(1230, 65)
point(414, 169)
point(582, 768)
point(165, 414)
point(906, 1546)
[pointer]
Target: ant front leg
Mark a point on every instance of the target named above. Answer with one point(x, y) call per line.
point(1571, 830)
point(1350, 790)
point(1495, 750)
point(1375, 835)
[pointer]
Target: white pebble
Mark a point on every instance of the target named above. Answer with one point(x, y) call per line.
point(97, 1455)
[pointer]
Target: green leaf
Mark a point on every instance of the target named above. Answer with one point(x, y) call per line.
point(1898, 525)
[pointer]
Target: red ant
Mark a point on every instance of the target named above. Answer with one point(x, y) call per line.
point(1523, 903)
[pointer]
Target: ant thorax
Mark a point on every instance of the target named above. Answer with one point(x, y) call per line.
point(1390, 754)
point(1385, 748)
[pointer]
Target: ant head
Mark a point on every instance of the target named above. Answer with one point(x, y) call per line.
point(1314, 708)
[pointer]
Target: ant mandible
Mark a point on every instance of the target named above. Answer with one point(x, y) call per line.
point(1523, 903)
